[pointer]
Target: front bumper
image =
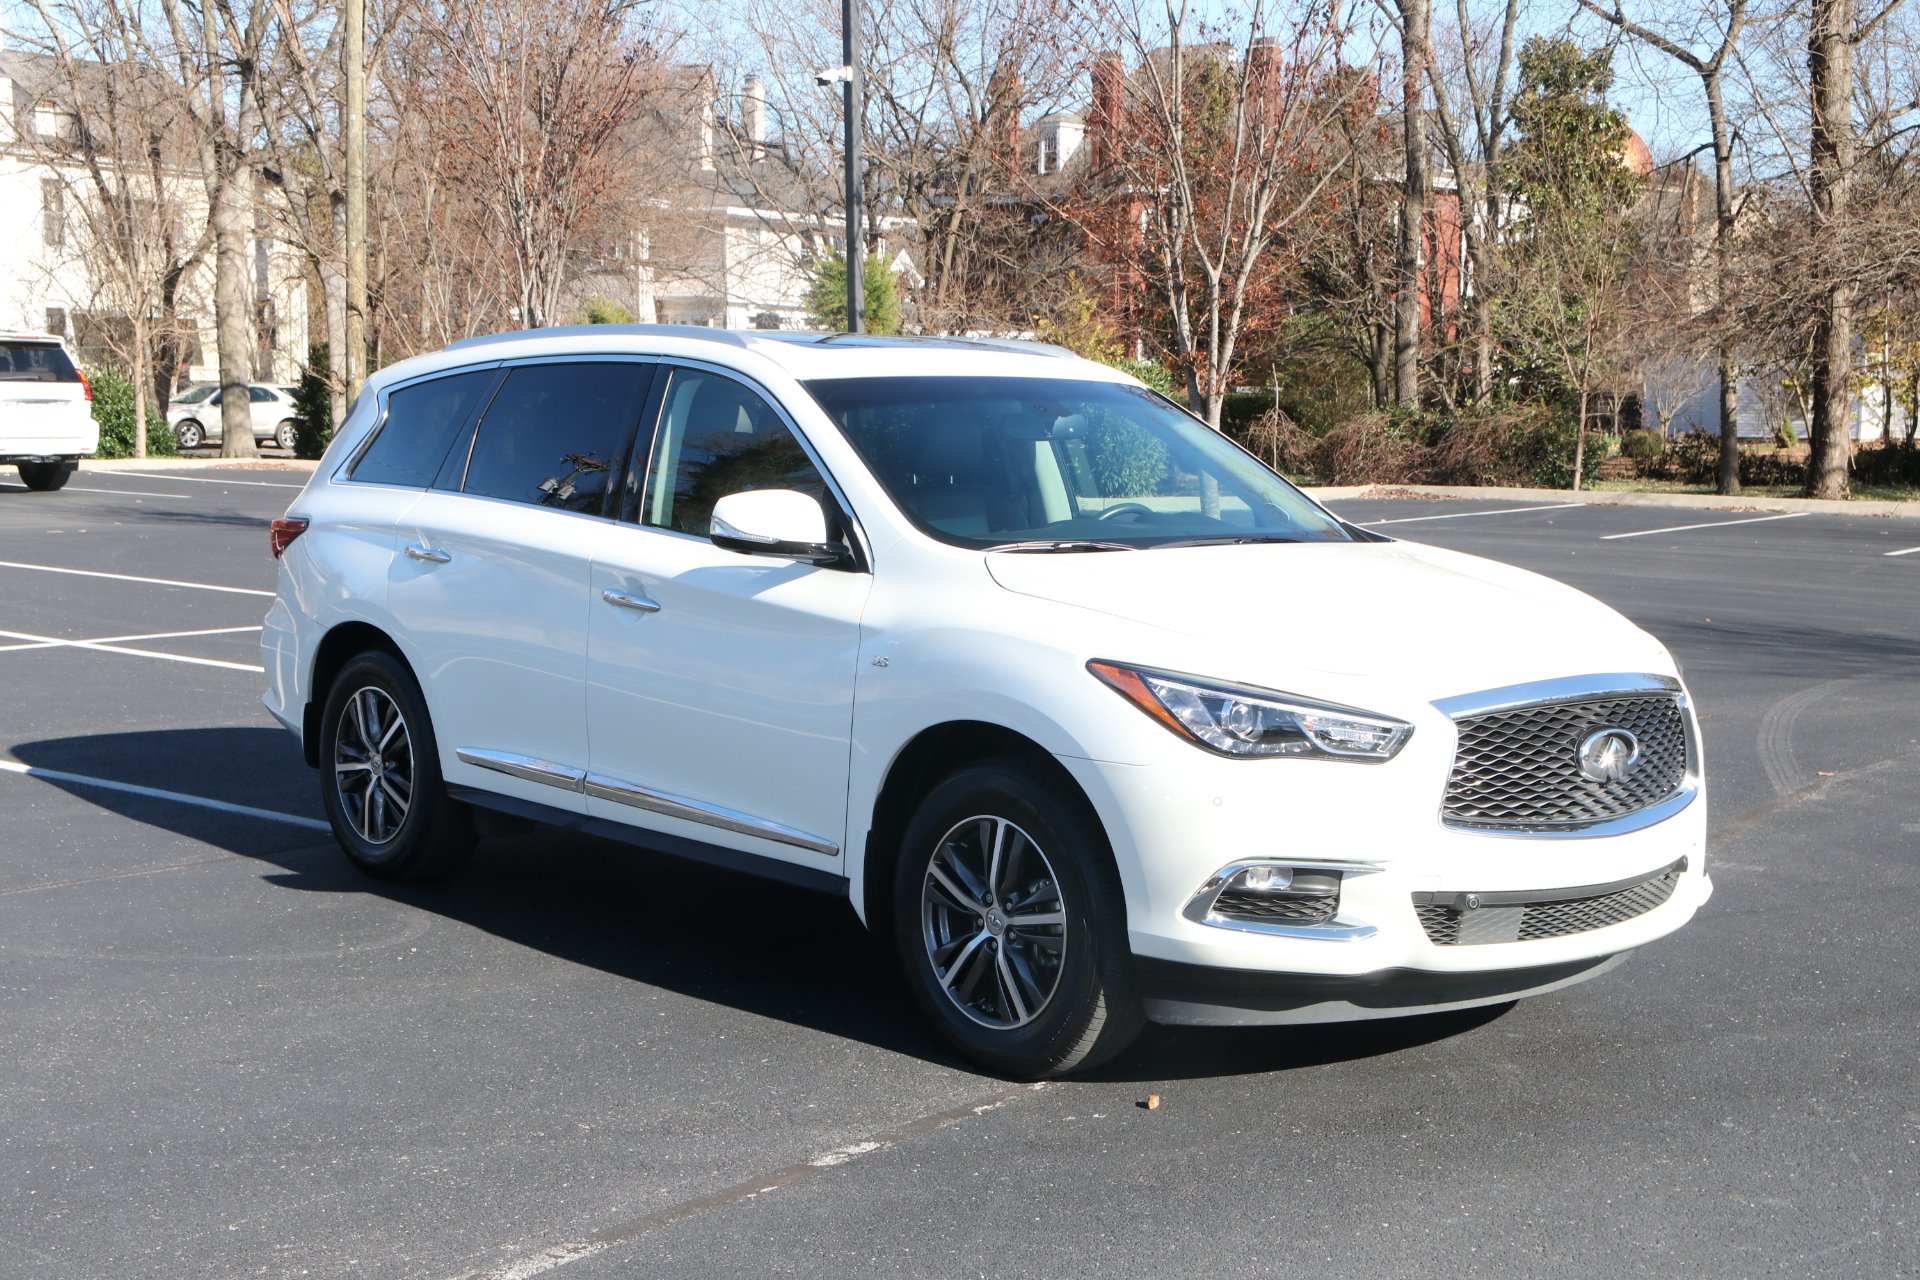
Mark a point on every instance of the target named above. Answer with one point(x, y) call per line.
point(1175, 822)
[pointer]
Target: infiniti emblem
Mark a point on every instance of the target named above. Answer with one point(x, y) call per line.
point(1609, 755)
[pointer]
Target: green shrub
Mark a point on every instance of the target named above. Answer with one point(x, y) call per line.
point(1155, 375)
point(598, 309)
point(1890, 464)
point(1643, 446)
point(1784, 435)
point(1691, 458)
point(1545, 456)
point(113, 410)
point(313, 405)
point(1239, 409)
point(1771, 468)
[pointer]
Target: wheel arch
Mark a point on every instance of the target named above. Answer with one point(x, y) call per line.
point(338, 647)
point(932, 754)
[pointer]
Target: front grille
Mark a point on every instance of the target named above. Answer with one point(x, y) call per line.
point(1452, 924)
point(1305, 908)
point(1521, 769)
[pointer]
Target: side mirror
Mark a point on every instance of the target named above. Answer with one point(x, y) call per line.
point(774, 522)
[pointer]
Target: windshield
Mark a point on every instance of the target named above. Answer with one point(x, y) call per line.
point(1062, 464)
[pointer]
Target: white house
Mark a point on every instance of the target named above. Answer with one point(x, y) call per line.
point(60, 278)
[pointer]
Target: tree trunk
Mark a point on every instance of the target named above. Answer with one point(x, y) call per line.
point(139, 386)
point(1727, 473)
point(232, 305)
point(1415, 47)
point(1580, 441)
point(1830, 79)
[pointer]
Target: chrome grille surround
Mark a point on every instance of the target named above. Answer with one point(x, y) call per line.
point(1517, 764)
point(1476, 919)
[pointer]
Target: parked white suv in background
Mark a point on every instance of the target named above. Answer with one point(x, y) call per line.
point(1095, 716)
point(46, 409)
point(194, 415)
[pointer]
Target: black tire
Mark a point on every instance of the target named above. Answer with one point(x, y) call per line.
point(189, 434)
point(1088, 1005)
point(283, 435)
point(44, 477)
point(361, 788)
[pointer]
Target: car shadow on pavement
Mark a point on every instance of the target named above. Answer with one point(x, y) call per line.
point(754, 945)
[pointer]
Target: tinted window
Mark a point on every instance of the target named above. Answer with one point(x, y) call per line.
point(194, 396)
point(35, 362)
point(715, 438)
point(422, 421)
point(557, 434)
point(259, 395)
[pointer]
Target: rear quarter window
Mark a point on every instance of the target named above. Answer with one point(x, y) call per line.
point(423, 419)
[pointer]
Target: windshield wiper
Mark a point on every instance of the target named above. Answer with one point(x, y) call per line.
point(1064, 544)
point(1225, 540)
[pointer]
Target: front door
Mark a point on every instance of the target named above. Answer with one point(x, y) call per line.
point(720, 685)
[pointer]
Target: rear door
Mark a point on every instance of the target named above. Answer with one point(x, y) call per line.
point(490, 582)
point(721, 685)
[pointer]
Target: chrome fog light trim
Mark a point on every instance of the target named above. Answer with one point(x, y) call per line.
point(1281, 881)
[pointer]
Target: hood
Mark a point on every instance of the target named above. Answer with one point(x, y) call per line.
point(1430, 622)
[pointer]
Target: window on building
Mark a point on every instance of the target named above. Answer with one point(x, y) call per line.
point(57, 321)
point(53, 212)
point(51, 121)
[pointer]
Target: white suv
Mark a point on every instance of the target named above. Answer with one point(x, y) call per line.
point(46, 410)
point(1092, 714)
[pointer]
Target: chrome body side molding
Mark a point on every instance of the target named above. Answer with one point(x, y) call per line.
point(620, 791)
point(526, 768)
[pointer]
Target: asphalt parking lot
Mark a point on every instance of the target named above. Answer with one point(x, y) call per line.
point(222, 1053)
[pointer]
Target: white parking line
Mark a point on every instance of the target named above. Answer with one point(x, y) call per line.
point(169, 478)
point(124, 493)
point(128, 577)
point(1462, 515)
point(151, 635)
point(1909, 551)
point(1716, 524)
point(54, 642)
point(155, 793)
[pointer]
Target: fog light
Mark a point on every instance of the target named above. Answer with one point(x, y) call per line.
point(1263, 879)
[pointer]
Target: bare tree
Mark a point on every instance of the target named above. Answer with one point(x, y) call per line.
point(1728, 19)
point(1413, 21)
point(1221, 168)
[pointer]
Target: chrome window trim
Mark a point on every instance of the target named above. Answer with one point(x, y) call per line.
point(1576, 689)
point(601, 787)
point(1199, 908)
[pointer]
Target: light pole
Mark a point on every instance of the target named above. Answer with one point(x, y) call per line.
point(855, 102)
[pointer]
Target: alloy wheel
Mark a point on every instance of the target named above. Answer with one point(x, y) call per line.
point(373, 765)
point(994, 922)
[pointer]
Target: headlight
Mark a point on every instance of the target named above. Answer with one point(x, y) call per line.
point(1238, 721)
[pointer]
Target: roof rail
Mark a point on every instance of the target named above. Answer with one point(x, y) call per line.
point(698, 333)
point(1022, 345)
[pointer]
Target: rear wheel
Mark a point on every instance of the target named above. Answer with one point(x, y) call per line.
point(283, 435)
point(44, 477)
point(189, 434)
point(380, 775)
point(1009, 920)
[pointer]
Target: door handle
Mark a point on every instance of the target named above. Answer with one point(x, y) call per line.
point(622, 600)
point(418, 552)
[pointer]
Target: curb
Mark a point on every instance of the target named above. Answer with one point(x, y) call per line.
point(1609, 498)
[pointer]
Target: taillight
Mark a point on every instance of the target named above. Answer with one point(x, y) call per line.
point(285, 530)
point(86, 386)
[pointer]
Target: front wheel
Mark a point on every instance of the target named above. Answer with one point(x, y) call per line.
point(1009, 920)
point(44, 477)
point(380, 775)
point(189, 434)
